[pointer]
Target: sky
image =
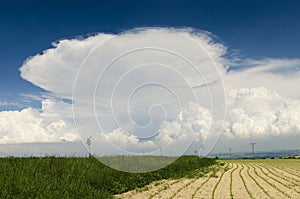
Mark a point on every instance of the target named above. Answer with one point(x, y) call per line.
point(249, 57)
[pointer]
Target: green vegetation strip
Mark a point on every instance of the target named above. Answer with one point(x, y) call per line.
point(196, 175)
point(296, 170)
point(272, 185)
point(163, 188)
point(292, 170)
point(215, 187)
point(178, 190)
point(240, 174)
point(261, 168)
point(288, 179)
point(287, 169)
point(278, 176)
point(61, 177)
point(248, 168)
point(284, 170)
point(293, 167)
point(231, 173)
point(193, 196)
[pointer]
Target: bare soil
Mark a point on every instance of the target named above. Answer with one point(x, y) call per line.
point(236, 179)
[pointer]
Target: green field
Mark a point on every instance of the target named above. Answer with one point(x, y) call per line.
point(59, 177)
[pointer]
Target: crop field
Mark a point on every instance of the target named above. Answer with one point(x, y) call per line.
point(269, 178)
point(59, 177)
point(187, 177)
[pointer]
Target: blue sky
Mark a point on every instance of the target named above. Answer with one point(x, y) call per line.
point(262, 36)
point(256, 28)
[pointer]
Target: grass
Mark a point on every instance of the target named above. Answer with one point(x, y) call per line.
point(214, 172)
point(136, 164)
point(53, 177)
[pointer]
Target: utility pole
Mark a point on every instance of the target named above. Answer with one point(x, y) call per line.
point(230, 149)
point(253, 143)
point(89, 142)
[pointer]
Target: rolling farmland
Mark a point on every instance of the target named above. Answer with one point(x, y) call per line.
point(278, 178)
point(187, 177)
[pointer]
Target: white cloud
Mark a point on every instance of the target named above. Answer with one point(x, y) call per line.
point(6, 103)
point(192, 123)
point(280, 75)
point(29, 97)
point(32, 125)
point(262, 94)
point(165, 68)
point(261, 113)
point(58, 66)
point(263, 101)
point(126, 141)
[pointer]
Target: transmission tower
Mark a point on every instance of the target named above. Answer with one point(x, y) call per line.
point(230, 149)
point(253, 143)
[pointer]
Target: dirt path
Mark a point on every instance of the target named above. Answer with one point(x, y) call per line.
point(191, 190)
point(284, 173)
point(206, 190)
point(268, 187)
point(222, 189)
point(283, 184)
point(254, 190)
point(172, 190)
point(236, 179)
point(238, 188)
point(149, 190)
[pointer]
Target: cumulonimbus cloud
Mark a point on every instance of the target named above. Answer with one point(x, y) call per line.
point(176, 64)
point(259, 103)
